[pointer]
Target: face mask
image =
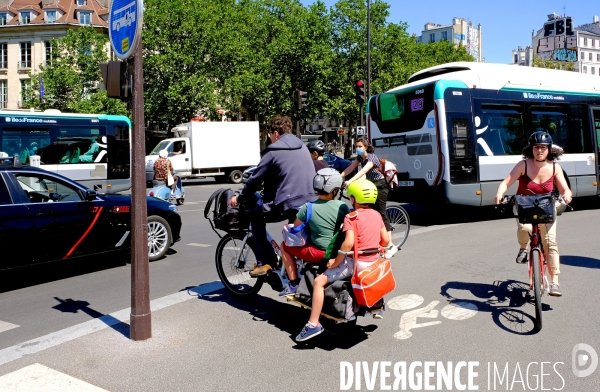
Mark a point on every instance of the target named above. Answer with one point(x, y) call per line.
point(360, 151)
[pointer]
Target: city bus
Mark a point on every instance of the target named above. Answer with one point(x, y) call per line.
point(92, 149)
point(456, 130)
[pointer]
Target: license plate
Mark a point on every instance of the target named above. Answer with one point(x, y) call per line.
point(406, 183)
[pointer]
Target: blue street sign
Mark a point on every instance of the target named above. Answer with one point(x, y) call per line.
point(125, 26)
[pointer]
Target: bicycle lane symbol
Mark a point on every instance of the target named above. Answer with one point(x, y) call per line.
point(408, 320)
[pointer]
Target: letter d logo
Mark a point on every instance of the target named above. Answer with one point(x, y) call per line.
point(580, 359)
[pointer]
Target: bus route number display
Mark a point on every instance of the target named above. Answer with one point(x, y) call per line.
point(416, 104)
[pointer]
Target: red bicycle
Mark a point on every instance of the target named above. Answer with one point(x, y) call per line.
point(538, 280)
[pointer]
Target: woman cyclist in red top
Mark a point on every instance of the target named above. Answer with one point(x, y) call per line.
point(537, 173)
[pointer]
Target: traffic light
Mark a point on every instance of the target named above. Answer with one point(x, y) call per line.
point(117, 79)
point(301, 99)
point(359, 89)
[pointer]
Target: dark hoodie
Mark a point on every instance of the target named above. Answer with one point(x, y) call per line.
point(287, 171)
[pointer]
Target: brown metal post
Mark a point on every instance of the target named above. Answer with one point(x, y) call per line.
point(140, 318)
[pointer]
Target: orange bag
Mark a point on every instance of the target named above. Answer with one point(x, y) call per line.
point(374, 282)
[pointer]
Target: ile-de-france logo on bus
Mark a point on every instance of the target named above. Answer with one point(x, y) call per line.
point(543, 96)
point(431, 123)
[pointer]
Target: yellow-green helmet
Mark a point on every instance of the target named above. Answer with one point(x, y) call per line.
point(364, 191)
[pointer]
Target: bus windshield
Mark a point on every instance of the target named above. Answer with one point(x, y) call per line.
point(402, 111)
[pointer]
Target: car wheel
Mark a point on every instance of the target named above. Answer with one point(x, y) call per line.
point(235, 176)
point(159, 237)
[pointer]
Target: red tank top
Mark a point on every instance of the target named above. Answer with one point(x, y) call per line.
point(528, 187)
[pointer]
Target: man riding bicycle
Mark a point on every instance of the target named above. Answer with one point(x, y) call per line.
point(287, 172)
point(317, 149)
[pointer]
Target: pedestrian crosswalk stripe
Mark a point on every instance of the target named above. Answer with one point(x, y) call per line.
point(38, 377)
point(4, 326)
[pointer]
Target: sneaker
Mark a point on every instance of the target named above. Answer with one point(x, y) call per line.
point(378, 315)
point(260, 270)
point(289, 290)
point(309, 332)
point(391, 251)
point(555, 290)
point(522, 256)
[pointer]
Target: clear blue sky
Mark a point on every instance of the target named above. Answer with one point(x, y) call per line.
point(505, 24)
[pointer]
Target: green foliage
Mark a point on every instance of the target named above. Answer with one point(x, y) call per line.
point(71, 79)
point(540, 62)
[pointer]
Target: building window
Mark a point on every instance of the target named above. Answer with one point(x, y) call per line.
point(25, 90)
point(584, 41)
point(593, 43)
point(3, 55)
point(50, 16)
point(25, 17)
point(598, 57)
point(3, 18)
point(445, 35)
point(583, 55)
point(48, 52)
point(80, 2)
point(432, 37)
point(25, 55)
point(3, 94)
point(593, 71)
point(85, 18)
point(584, 69)
point(590, 56)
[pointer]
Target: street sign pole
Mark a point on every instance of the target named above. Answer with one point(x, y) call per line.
point(125, 33)
point(140, 318)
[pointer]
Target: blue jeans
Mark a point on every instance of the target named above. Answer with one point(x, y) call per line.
point(258, 225)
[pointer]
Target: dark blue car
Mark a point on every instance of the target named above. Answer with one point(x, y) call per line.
point(47, 217)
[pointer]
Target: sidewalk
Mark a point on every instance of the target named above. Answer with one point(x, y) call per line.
point(205, 341)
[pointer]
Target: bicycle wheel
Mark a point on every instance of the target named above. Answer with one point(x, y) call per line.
point(400, 222)
point(538, 288)
point(233, 272)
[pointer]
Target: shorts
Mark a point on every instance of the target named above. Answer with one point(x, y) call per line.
point(342, 271)
point(308, 253)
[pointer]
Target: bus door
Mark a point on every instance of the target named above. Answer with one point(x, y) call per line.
point(596, 113)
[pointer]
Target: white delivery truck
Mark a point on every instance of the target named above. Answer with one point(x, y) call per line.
point(210, 149)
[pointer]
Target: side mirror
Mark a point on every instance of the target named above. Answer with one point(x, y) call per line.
point(89, 195)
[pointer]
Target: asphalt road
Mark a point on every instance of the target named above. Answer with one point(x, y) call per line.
point(460, 297)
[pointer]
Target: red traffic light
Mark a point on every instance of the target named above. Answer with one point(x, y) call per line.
point(359, 83)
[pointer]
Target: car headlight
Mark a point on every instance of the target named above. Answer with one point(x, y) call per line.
point(173, 208)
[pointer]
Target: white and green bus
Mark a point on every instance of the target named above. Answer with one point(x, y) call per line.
point(456, 130)
point(92, 149)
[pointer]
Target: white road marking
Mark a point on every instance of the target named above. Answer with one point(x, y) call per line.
point(65, 335)
point(38, 377)
point(408, 320)
point(459, 310)
point(4, 326)
point(405, 302)
point(430, 228)
point(199, 245)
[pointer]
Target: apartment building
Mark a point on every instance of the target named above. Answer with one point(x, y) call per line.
point(460, 32)
point(26, 30)
point(560, 40)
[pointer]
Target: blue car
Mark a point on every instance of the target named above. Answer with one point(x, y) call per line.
point(47, 217)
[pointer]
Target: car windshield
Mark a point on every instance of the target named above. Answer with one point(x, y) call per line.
point(160, 146)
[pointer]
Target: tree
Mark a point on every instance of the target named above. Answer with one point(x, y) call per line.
point(71, 78)
point(541, 62)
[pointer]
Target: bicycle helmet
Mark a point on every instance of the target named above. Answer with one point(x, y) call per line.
point(540, 137)
point(316, 145)
point(364, 192)
point(327, 180)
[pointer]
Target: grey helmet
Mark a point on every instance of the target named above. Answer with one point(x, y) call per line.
point(327, 180)
point(316, 145)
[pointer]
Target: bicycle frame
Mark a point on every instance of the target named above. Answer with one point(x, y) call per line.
point(536, 245)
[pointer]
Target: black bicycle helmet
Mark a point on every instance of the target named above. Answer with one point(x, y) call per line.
point(316, 145)
point(540, 137)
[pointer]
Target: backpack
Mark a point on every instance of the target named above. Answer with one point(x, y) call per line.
point(388, 169)
point(219, 213)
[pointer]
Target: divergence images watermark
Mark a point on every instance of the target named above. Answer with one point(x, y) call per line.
point(463, 375)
